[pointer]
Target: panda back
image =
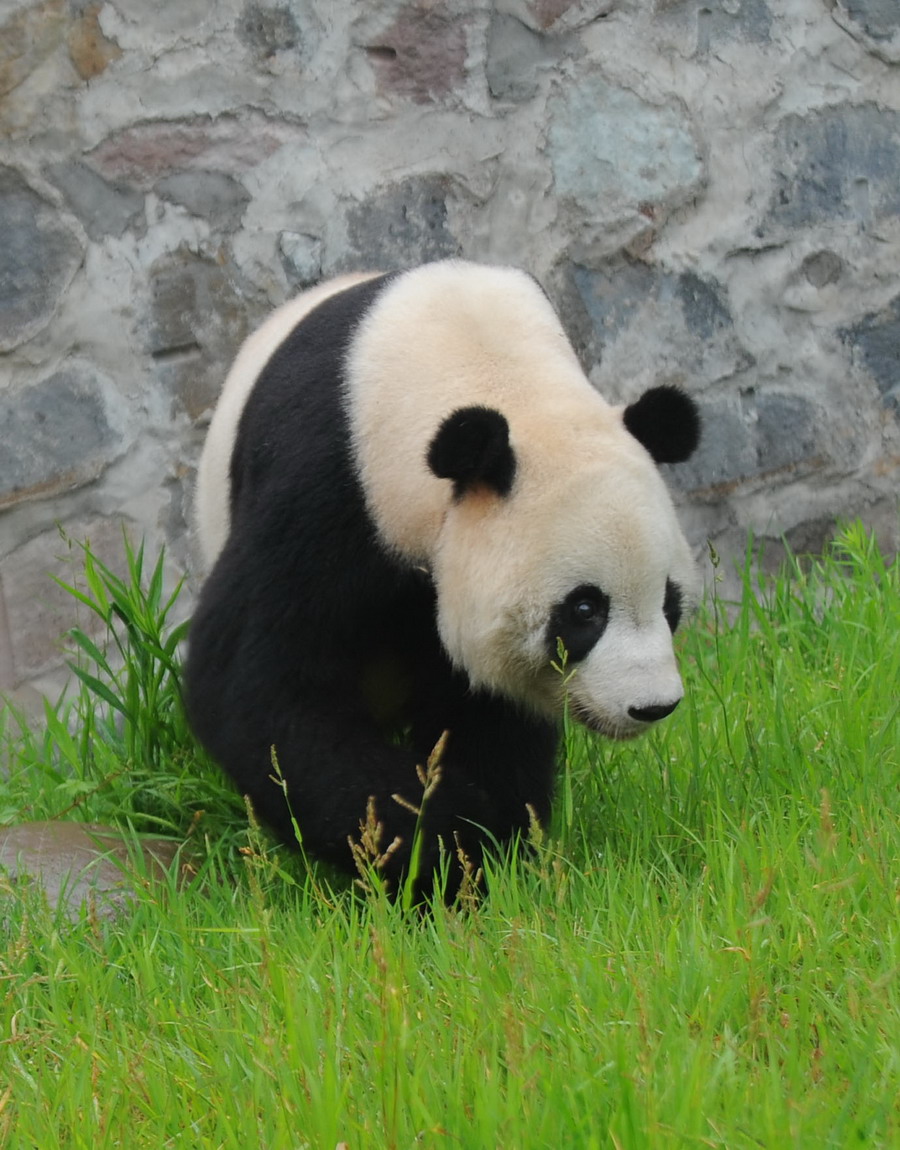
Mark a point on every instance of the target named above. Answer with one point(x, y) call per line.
point(213, 491)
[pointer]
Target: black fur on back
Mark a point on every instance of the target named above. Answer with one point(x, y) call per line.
point(311, 638)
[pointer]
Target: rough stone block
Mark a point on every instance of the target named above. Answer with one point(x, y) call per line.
point(515, 58)
point(618, 159)
point(27, 38)
point(39, 255)
point(197, 320)
point(875, 346)
point(145, 153)
point(90, 50)
point(39, 611)
point(766, 435)
point(301, 258)
point(213, 196)
point(693, 338)
point(56, 434)
point(268, 30)
point(749, 20)
point(840, 163)
point(875, 23)
point(422, 54)
point(105, 209)
point(83, 867)
point(403, 225)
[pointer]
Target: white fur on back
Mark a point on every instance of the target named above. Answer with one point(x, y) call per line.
point(451, 335)
point(212, 494)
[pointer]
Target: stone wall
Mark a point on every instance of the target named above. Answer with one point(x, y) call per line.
point(708, 189)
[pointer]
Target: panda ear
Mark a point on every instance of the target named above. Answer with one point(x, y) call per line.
point(472, 447)
point(666, 422)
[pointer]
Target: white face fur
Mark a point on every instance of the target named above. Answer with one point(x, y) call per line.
point(513, 573)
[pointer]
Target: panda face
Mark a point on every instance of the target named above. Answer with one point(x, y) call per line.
point(570, 595)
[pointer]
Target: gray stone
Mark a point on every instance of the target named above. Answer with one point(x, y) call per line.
point(197, 320)
point(267, 30)
point(104, 208)
point(879, 19)
point(786, 432)
point(840, 163)
point(81, 867)
point(617, 158)
point(822, 268)
point(705, 313)
point(40, 611)
point(54, 435)
point(515, 57)
point(719, 20)
point(39, 255)
point(727, 452)
point(301, 258)
point(875, 346)
point(403, 225)
point(213, 196)
point(693, 331)
point(764, 436)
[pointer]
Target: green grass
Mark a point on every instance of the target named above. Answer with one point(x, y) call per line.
point(704, 950)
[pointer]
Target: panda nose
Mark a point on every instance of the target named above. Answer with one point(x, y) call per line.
point(653, 713)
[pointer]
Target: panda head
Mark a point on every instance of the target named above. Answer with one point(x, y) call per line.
point(563, 542)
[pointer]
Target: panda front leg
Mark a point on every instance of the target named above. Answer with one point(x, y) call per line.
point(343, 784)
point(508, 754)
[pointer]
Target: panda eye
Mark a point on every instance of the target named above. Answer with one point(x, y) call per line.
point(585, 611)
point(577, 622)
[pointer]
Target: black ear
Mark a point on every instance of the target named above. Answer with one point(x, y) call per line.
point(666, 422)
point(472, 447)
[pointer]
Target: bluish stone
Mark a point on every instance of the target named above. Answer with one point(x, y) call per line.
point(727, 451)
point(749, 20)
point(39, 254)
point(515, 56)
point(760, 435)
point(105, 209)
point(704, 312)
point(54, 436)
point(213, 196)
point(879, 19)
point(610, 311)
point(404, 225)
point(875, 345)
point(612, 151)
point(839, 163)
point(786, 432)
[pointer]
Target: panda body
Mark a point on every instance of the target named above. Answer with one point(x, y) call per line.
point(409, 494)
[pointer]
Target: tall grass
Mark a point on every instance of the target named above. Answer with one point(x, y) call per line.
point(704, 949)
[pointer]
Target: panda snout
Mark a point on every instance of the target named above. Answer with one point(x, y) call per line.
point(653, 713)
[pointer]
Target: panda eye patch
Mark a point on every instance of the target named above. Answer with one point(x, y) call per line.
point(578, 622)
point(672, 605)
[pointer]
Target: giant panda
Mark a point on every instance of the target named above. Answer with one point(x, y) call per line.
point(419, 517)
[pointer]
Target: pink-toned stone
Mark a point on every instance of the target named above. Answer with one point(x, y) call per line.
point(422, 55)
point(145, 153)
point(81, 864)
